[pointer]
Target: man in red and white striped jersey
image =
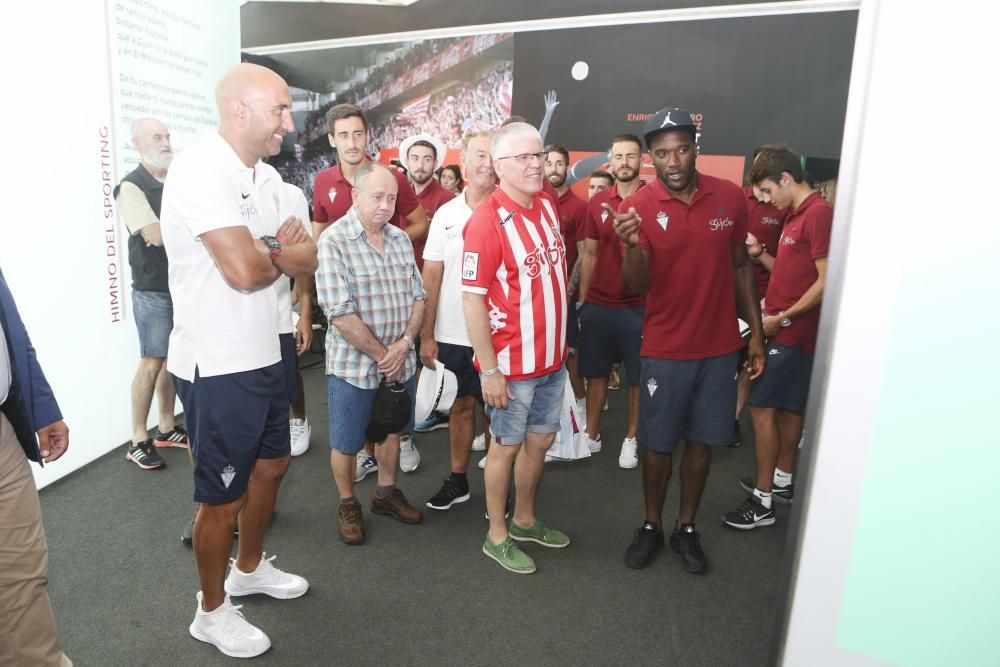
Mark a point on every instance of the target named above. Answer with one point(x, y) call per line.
point(514, 295)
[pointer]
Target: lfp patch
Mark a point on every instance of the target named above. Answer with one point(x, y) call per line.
point(470, 266)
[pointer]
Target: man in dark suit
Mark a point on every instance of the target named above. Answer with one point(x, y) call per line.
point(28, 634)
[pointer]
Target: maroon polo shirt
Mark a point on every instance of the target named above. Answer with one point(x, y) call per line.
point(763, 221)
point(332, 197)
point(691, 303)
point(431, 198)
point(573, 216)
point(806, 238)
point(607, 287)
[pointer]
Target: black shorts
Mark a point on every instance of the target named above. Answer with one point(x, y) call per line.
point(607, 336)
point(785, 382)
point(690, 399)
point(458, 360)
point(290, 362)
point(572, 324)
point(234, 420)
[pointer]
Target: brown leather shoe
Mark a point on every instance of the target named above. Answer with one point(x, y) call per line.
point(352, 524)
point(395, 504)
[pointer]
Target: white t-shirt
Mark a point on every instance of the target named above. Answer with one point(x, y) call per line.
point(218, 329)
point(444, 244)
point(293, 202)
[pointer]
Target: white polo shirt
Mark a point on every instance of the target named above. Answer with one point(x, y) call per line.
point(218, 329)
point(445, 244)
point(293, 202)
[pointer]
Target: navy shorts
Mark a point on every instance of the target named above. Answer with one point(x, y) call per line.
point(233, 420)
point(785, 382)
point(609, 335)
point(690, 399)
point(572, 325)
point(536, 407)
point(350, 410)
point(154, 318)
point(458, 360)
point(290, 362)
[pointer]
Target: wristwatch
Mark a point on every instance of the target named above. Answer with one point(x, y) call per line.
point(784, 321)
point(273, 244)
point(492, 371)
point(410, 343)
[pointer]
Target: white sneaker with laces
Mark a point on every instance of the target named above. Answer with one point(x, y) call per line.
point(266, 579)
point(300, 432)
point(409, 457)
point(227, 630)
point(593, 445)
point(629, 458)
point(479, 443)
point(365, 464)
point(482, 463)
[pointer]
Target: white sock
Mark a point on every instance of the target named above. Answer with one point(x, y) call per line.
point(765, 497)
point(782, 478)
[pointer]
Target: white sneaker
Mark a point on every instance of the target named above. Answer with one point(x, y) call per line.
point(482, 463)
point(629, 458)
point(409, 457)
point(365, 464)
point(227, 630)
point(266, 579)
point(300, 432)
point(605, 408)
point(479, 443)
point(593, 445)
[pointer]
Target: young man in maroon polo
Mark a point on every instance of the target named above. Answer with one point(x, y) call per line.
point(764, 223)
point(791, 321)
point(422, 154)
point(685, 233)
point(348, 133)
point(610, 312)
point(573, 215)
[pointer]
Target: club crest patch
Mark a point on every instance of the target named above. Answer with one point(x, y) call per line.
point(332, 194)
point(470, 266)
point(604, 216)
point(228, 475)
point(662, 220)
point(651, 385)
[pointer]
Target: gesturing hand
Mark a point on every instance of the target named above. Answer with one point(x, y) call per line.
point(550, 101)
point(626, 225)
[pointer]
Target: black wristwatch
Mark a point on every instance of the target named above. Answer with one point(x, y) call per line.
point(273, 244)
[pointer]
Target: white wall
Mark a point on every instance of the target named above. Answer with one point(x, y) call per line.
point(65, 132)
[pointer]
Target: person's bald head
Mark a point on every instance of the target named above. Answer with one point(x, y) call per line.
point(152, 139)
point(374, 194)
point(254, 111)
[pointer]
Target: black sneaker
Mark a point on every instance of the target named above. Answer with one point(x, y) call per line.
point(645, 544)
point(781, 494)
point(451, 492)
point(175, 437)
point(684, 540)
point(750, 514)
point(144, 455)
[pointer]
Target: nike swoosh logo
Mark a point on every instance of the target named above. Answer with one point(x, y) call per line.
point(447, 227)
point(758, 517)
point(244, 195)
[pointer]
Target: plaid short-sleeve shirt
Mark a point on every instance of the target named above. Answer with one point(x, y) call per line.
point(353, 278)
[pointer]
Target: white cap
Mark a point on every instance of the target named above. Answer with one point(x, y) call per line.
point(436, 391)
point(439, 148)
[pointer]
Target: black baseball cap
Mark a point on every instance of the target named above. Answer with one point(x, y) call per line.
point(665, 120)
point(390, 411)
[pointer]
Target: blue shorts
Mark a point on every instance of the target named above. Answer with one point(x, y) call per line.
point(536, 407)
point(785, 382)
point(693, 399)
point(233, 420)
point(609, 335)
point(290, 362)
point(154, 318)
point(458, 360)
point(350, 410)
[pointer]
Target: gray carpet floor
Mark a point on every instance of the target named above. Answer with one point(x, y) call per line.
point(123, 584)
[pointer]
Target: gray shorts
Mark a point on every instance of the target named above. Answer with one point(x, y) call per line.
point(693, 399)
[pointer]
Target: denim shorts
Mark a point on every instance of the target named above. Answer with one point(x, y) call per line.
point(350, 410)
point(536, 407)
point(154, 318)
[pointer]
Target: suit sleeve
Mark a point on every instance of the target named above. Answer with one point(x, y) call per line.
point(43, 401)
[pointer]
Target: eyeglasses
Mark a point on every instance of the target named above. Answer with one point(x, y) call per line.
point(524, 158)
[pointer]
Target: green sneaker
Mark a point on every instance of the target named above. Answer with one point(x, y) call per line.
point(540, 534)
point(509, 556)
